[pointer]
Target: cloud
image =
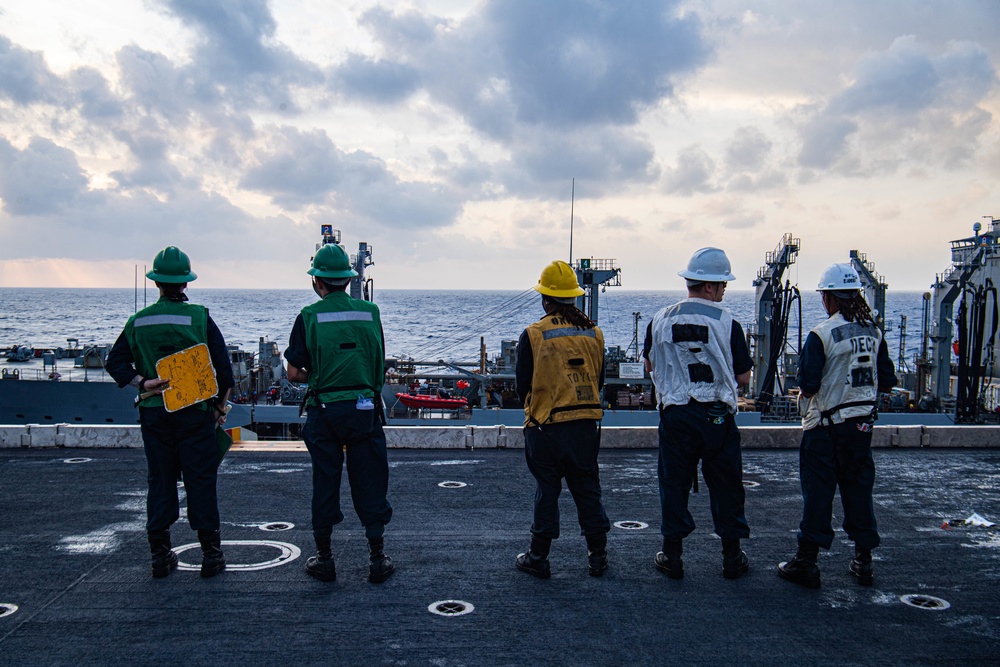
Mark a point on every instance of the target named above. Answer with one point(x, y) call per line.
point(41, 179)
point(693, 173)
point(371, 80)
point(748, 161)
point(24, 76)
point(295, 167)
point(603, 158)
point(150, 146)
point(748, 150)
point(901, 103)
point(157, 86)
point(237, 57)
point(550, 64)
point(302, 168)
point(97, 101)
point(620, 223)
point(114, 225)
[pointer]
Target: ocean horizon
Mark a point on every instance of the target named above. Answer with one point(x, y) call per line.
point(419, 323)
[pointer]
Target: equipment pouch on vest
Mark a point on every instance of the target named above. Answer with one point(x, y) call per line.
point(315, 393)
point(827, 415)
point(717, 411)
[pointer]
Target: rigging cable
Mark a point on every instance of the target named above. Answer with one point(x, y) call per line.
point(451, 339)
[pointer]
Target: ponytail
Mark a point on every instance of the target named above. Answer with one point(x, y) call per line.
point(855, 309)
point(570, 313)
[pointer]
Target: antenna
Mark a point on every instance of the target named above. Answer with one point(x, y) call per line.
point(572, 200)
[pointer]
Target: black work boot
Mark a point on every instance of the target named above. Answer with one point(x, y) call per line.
point(861, 566)
point(597, 554)
point(321, 565)
point(212, 559)
point(380, 566)
point(734, 561)
point(669, 560)
point(164, 559)
point(802, 568)
point(536, 561)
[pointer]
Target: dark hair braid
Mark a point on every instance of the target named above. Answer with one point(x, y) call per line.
point(173, 291)
point(571, 314)
point(855, 309)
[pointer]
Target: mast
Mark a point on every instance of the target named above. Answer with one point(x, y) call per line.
point(572, 201)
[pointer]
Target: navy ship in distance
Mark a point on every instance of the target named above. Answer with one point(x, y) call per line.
point(952, 378)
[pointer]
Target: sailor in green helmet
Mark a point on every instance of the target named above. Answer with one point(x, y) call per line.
point(337, 346)
point(182, 441)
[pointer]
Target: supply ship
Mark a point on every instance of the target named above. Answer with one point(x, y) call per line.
point(951, 380)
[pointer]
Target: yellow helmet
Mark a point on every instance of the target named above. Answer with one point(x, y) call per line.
point(558, 280)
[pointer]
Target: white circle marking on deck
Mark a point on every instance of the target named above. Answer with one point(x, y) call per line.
point(451, 608)
point(277, 525)
point(452, 485)
point(289, 552)
point(631, 525)
point(77, 460)
point(925, 602)
point(7, 608)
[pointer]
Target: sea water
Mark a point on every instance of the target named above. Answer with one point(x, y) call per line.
point(423, 324)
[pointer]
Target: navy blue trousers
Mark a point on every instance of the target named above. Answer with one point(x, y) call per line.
point(687, 434)
point(565, 450)
point(175, 442)
point(832, 456)
point(329, 431)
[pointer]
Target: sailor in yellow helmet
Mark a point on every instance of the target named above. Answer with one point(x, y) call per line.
point(560, 370)
point(184, 440)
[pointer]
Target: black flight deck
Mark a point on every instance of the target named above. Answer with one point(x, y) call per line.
point(75, 586)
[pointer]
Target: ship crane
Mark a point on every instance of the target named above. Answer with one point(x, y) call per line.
point(873, 285)
point(773, 306)
point(973, 276)
point(592, 274)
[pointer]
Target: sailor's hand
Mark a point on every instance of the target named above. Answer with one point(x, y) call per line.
point(221, 411)
point(153, 386)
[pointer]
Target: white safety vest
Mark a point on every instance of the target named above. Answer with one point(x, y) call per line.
point(691, 354)
point(850, 374)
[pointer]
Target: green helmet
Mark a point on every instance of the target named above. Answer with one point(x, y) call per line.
point(171, 266)
point(332, 262)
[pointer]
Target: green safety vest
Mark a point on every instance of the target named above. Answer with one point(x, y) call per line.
point(344, 340)
point(159, 331)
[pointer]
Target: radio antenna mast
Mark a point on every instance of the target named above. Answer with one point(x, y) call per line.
point(572, 200)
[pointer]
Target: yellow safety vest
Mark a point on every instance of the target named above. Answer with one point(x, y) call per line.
point(567, 369)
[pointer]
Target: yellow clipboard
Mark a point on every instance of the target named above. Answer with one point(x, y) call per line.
point(191, 375)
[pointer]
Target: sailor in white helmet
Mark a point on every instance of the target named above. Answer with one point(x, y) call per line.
point(844, 363)
point(697, 356)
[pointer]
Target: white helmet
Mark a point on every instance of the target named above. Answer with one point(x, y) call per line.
point(839, 278)
point(708, 265)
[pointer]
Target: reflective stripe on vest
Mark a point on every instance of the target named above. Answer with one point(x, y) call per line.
point(346, 316)
point(151, 320)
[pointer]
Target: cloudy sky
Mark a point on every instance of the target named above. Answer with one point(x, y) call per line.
point(447, 135)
